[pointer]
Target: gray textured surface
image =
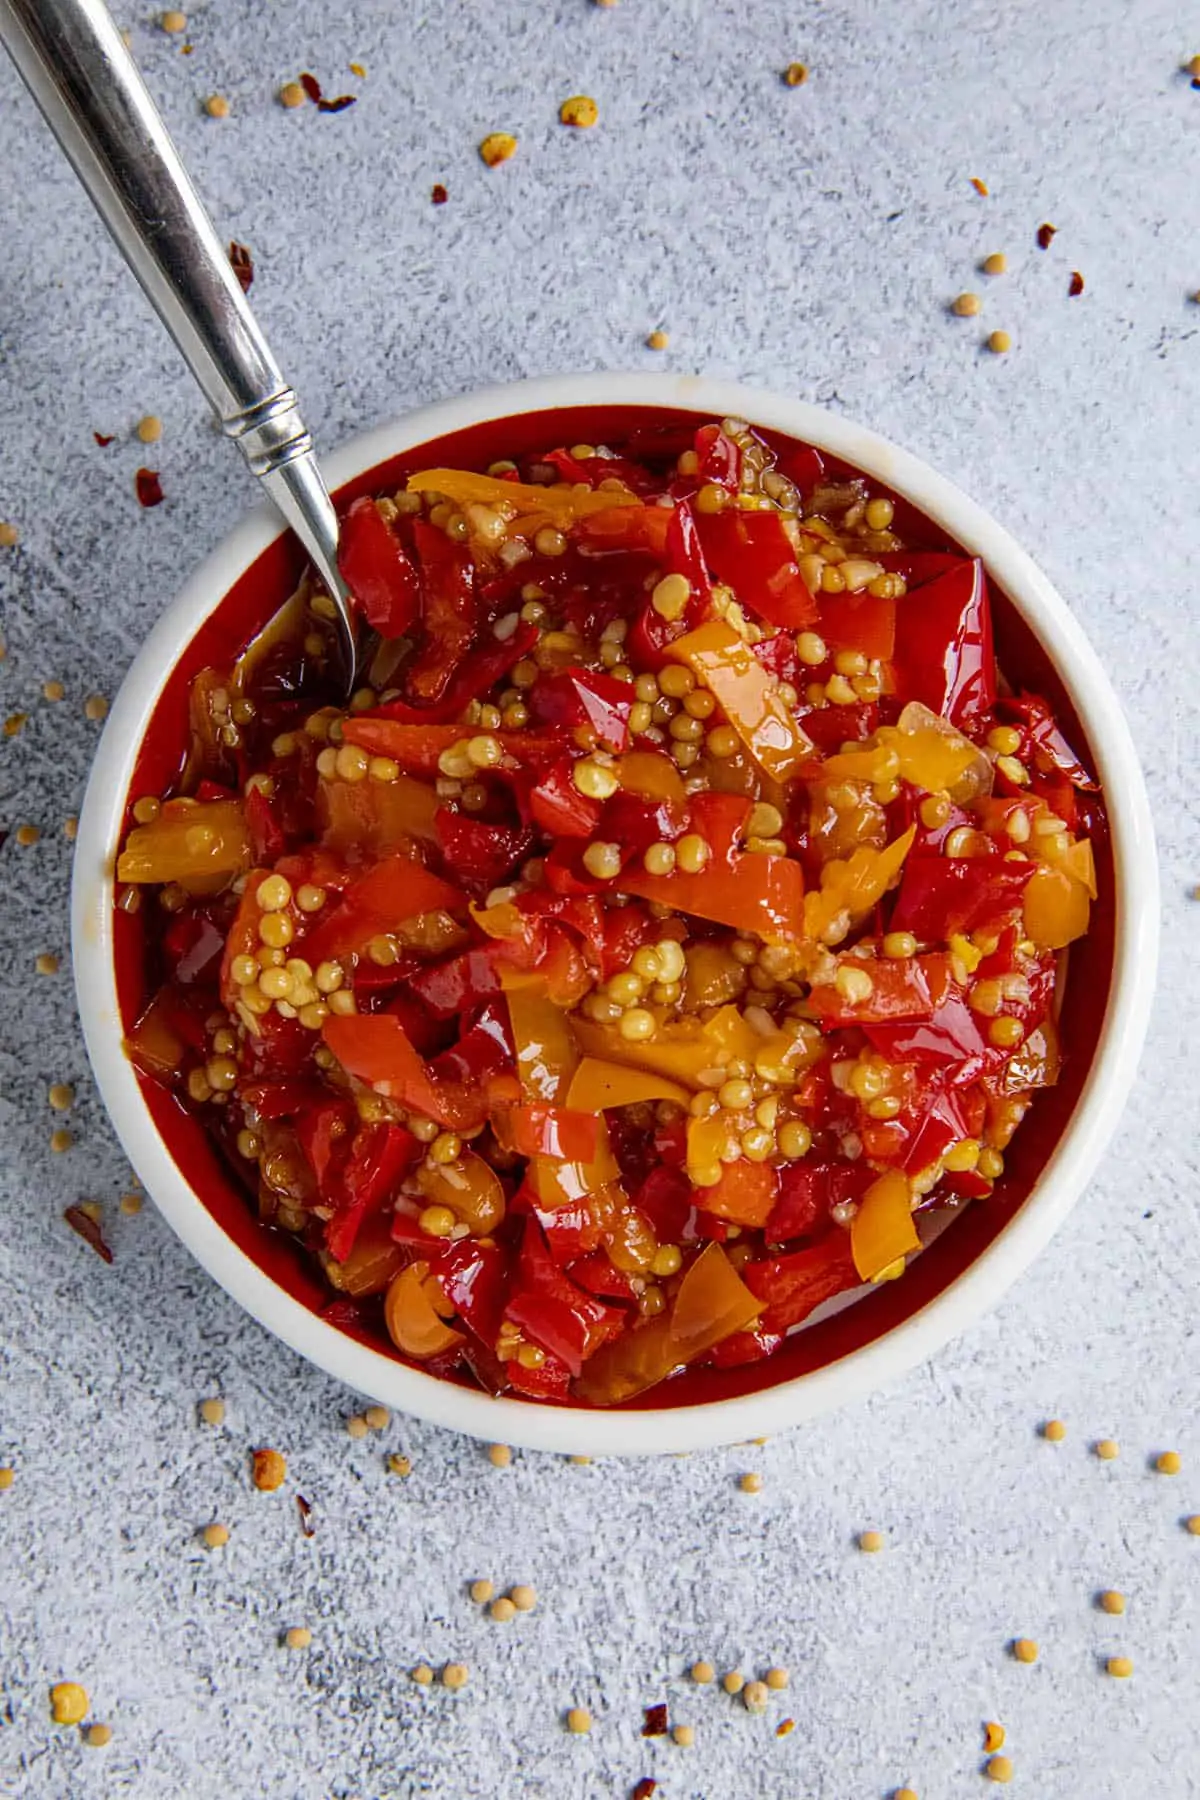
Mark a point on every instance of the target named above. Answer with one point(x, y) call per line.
point(808, 239)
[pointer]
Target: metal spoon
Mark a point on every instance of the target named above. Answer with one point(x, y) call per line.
point(75, 64)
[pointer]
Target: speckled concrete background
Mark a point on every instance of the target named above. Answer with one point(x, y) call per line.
point(805, 238)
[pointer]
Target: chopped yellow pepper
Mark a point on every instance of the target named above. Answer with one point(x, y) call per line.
point(682, 1052)
point(1057, 909)
point(883, 1232)
point(853, 887)
point(747, 695)
point(597, 1084)
point(562, 502)
point(545, 1048)
point(188, 843)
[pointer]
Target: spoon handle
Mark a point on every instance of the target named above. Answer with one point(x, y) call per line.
point(75, 63)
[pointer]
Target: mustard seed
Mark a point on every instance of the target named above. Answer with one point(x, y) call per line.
point(95, 707)
point(870, 1541)
point(482, 1591)
point(10, 537)
point(399, 1465)
point(298, 1638)
point(455, 1676)
point(357, 1427)
point(1169, 1463)
point(97, 1736)
point(215, 1536)
point(217, 107)
point(734, 1682)
point(684, 1736)
point(967, 306)
point(998, 1768)
point(795, 75)
point(291, 94)
point(523, 1597)
point(580, 111)
point(422, 1674)
point(377, 1417)
point(1054, 1431)
point(1111, 1601)
point(1025, 1650)
point(174, 22)
point(579, 1721)
point(1107, 1449)
point(776, 1680)
point(68, 1703)
point(658, 340)
point(269, 1470)
point(497, 148)
point(7, 1477)
point(1120, 1667)
point(996, 264)
point(53, 690)
point(61, 1096)
point(750, 1483)
point(702, 1672)
point(499, 1455)
point(999, 343)
point(502, 1610)
point(755, 1696)
point(993, 1736)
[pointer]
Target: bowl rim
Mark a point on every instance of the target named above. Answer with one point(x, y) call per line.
point(1063, 1176)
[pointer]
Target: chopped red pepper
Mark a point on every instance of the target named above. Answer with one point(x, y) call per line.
point(378, 570)
point(148, 487)
point(753, 553)
point(944, 655)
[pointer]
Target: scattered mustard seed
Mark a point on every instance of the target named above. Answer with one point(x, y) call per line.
point(684, 1736)
point(46, 963)
point(217, 107)
point(580, 110)
point(998, 1768)
point(97, 1736)
point(905, 1794)
point(502, 1610)
point(7, 1477)
point(357, 1427)
point(995, 264)
point(455, 1676)
point(60, 1140)
point(755, 1696)
point(14, 723)
point(967, 306)
point(131, 1204)
point(482, 1591)
point(149, 428)
point(422, 1674)
point(212, 1412)
point(292, 94)
point(523, 1597)
point(776, 1680)
point(68, 1703)
point(795, 75)
point(1193, 67)
point(499, 1455)
point(1025, 1650)
point(378, 1417)
point(71, 830)
point(750, 1483)
point(999, 343)
point(1192, 1524)
point(993, 1736)
point(1107, 1449)
point(1111, 1601)
point(1169, 1463)
point(581, 1462)
point(298, 1638)
point(61, 1096)
point(734, 1682)
point(702, 1672)
point(658, 340)
point(399, 1465)
point(10, 537)
point(53, 690)
point(215, 1536)
point(579, 1720)
point(174, 21)
point(870, 1541)
point(497, 148)
point(1054, 1431)
point(269, 1470)
point(27, 834)
point(357, 68)
point(95, 707)
point(1120, 1667)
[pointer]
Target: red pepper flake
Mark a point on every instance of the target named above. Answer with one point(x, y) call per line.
point(656, 1720)
point(305, 1511)
point(784, 1727)
point(1076, 284)
point(149, 487)
point(1045, 234)
point(645, 1788)
point(338, 105)
point(103, 441)
point(439, 195)
point(88, 1230)
point(312, 88)
point(243, 265)
point(981, 187)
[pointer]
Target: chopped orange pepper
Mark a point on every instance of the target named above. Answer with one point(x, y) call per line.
point(744, 1195)
point(651, 776)
point(546, 1053)
point(154, 1045)
point(189, 842)
point(747, 695)
point(853, 887)
point(410, 1312)
point(761, 893)
point(1057, 909)
point(682, 1052)
point(597, 1084)
point(378, 816)
point(557, 1183)
point(882, 1232)
point(562, 502)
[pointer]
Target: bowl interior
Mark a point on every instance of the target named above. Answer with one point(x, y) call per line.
point(250, 602)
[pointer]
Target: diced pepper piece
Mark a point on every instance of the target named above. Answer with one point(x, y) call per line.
point(906, 987)
point(565, 502)
point(681, 1051)
point(850, 888)
point(448, 612)
point(943, 654)
point(683, 554)
point(195, 843)
point(411, 1314)
point(541, 1035)
point(376, 1048)
point(449, 989)
point(392, 892)
point(747, 890)
point(1056, 907)
point(472, 1276)
point(585, 698)
point(712, 1303)
point(379, 1158)
point(794, 1285)
point(156, 1045)
point(746, 694)
point(597, 1084)
point(479, 853)
point(649, 775)
point(745, 1194)
point(371, 1263)
point(753, 554)
point(556, 1183)
point(557, 806)
point(378, 570)
point(378, 817)
point(882, 1232)
point(941, 896)
point(564, 1132)
point(859, 622)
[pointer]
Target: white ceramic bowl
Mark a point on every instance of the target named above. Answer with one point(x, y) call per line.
point(947, 1309)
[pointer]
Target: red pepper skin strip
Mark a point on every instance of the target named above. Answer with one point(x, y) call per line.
point(380, 1157)
point(376, 903)
point(753, 554)
point(478, 672)
point(859, 622)
point(417, 747)
point(376, 1048)
point(794, 1285)
point(585, 697)
point(940, 896)
point(378, 570)
point(944, 655)
point(448, 612)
